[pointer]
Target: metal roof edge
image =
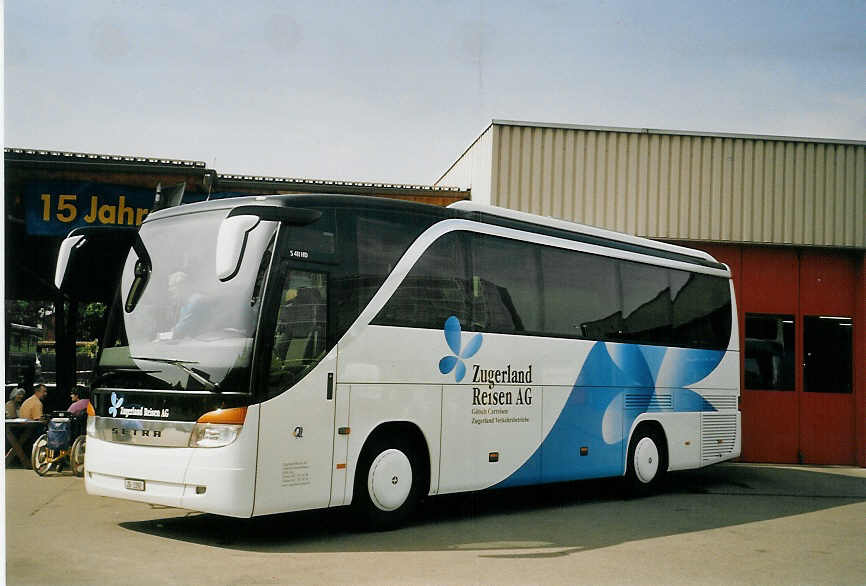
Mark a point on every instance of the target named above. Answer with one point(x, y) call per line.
point(302, 182)
point(689, 242)
point(463, 154)
point(679, 132)
point(23, 154)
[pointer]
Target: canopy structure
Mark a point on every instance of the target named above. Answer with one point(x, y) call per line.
point(49, 194)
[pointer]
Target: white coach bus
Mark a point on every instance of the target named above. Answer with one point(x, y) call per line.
point(278, 353)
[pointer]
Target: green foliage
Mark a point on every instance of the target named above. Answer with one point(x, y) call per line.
point(27, 313)
point(40, 313)
point(90, 323)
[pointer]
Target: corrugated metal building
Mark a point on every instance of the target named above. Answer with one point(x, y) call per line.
point(787, 214)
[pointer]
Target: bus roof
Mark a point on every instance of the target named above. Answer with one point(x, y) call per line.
point(302, 200)
point(464, 210)
point(584, 233)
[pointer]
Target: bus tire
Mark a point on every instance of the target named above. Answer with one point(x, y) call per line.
point(647, 461)
point(386, 484)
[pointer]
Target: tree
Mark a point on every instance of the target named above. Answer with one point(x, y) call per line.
point(28, 313)
point(90, 322)
point(37, 313)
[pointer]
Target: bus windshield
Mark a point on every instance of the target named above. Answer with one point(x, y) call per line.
point(175, 325)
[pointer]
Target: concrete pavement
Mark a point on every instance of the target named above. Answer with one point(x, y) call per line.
point(731, 523)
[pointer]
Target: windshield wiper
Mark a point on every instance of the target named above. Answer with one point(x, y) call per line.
point(181, 364)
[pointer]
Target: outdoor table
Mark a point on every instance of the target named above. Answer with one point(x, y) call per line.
point(20, 433)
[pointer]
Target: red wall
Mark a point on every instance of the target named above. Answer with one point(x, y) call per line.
point(859, 359)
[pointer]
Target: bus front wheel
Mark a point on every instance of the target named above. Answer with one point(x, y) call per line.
point(386, 484)
point(647, 461)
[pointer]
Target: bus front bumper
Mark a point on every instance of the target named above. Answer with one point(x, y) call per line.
point(211, 480)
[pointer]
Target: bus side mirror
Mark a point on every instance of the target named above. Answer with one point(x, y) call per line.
point(240, 221)
point(231, 241)
point(90, 260)
point(70, 242)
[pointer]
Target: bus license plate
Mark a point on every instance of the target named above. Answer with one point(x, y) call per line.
point(133, 484)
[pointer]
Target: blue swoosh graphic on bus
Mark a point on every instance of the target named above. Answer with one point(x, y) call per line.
point(595, 414)
point(454, 339)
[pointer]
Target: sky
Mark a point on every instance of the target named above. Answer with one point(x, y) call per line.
point(395, 91)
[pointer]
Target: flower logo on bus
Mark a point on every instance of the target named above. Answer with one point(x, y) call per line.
point(454, 338)
point(116, 402)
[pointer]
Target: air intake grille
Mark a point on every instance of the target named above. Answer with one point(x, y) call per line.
point(722, 402)
point(718, 436)
point(648, 402)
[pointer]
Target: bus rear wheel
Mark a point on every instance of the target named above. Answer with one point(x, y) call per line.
point(647, 461)
point(386, 484)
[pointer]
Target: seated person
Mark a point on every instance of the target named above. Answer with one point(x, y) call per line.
point(32, 407)
point(192, 315)
point(16, 397)
point(79, 401)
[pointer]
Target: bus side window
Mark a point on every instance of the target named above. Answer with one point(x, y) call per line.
point(435, 289)
point(505, 285)
point(581, 295)
point(701, 311)
point(647, 304)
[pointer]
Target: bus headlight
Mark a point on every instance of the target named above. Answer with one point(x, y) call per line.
point(213, 435)
point(218, 428)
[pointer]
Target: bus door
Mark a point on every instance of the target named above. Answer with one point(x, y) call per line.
point(296, 426)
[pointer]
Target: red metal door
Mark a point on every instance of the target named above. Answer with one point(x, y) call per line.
point(770, 417)
point(794, 423)
point(826, 397)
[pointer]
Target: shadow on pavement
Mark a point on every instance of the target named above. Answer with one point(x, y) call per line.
point(540, 521)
